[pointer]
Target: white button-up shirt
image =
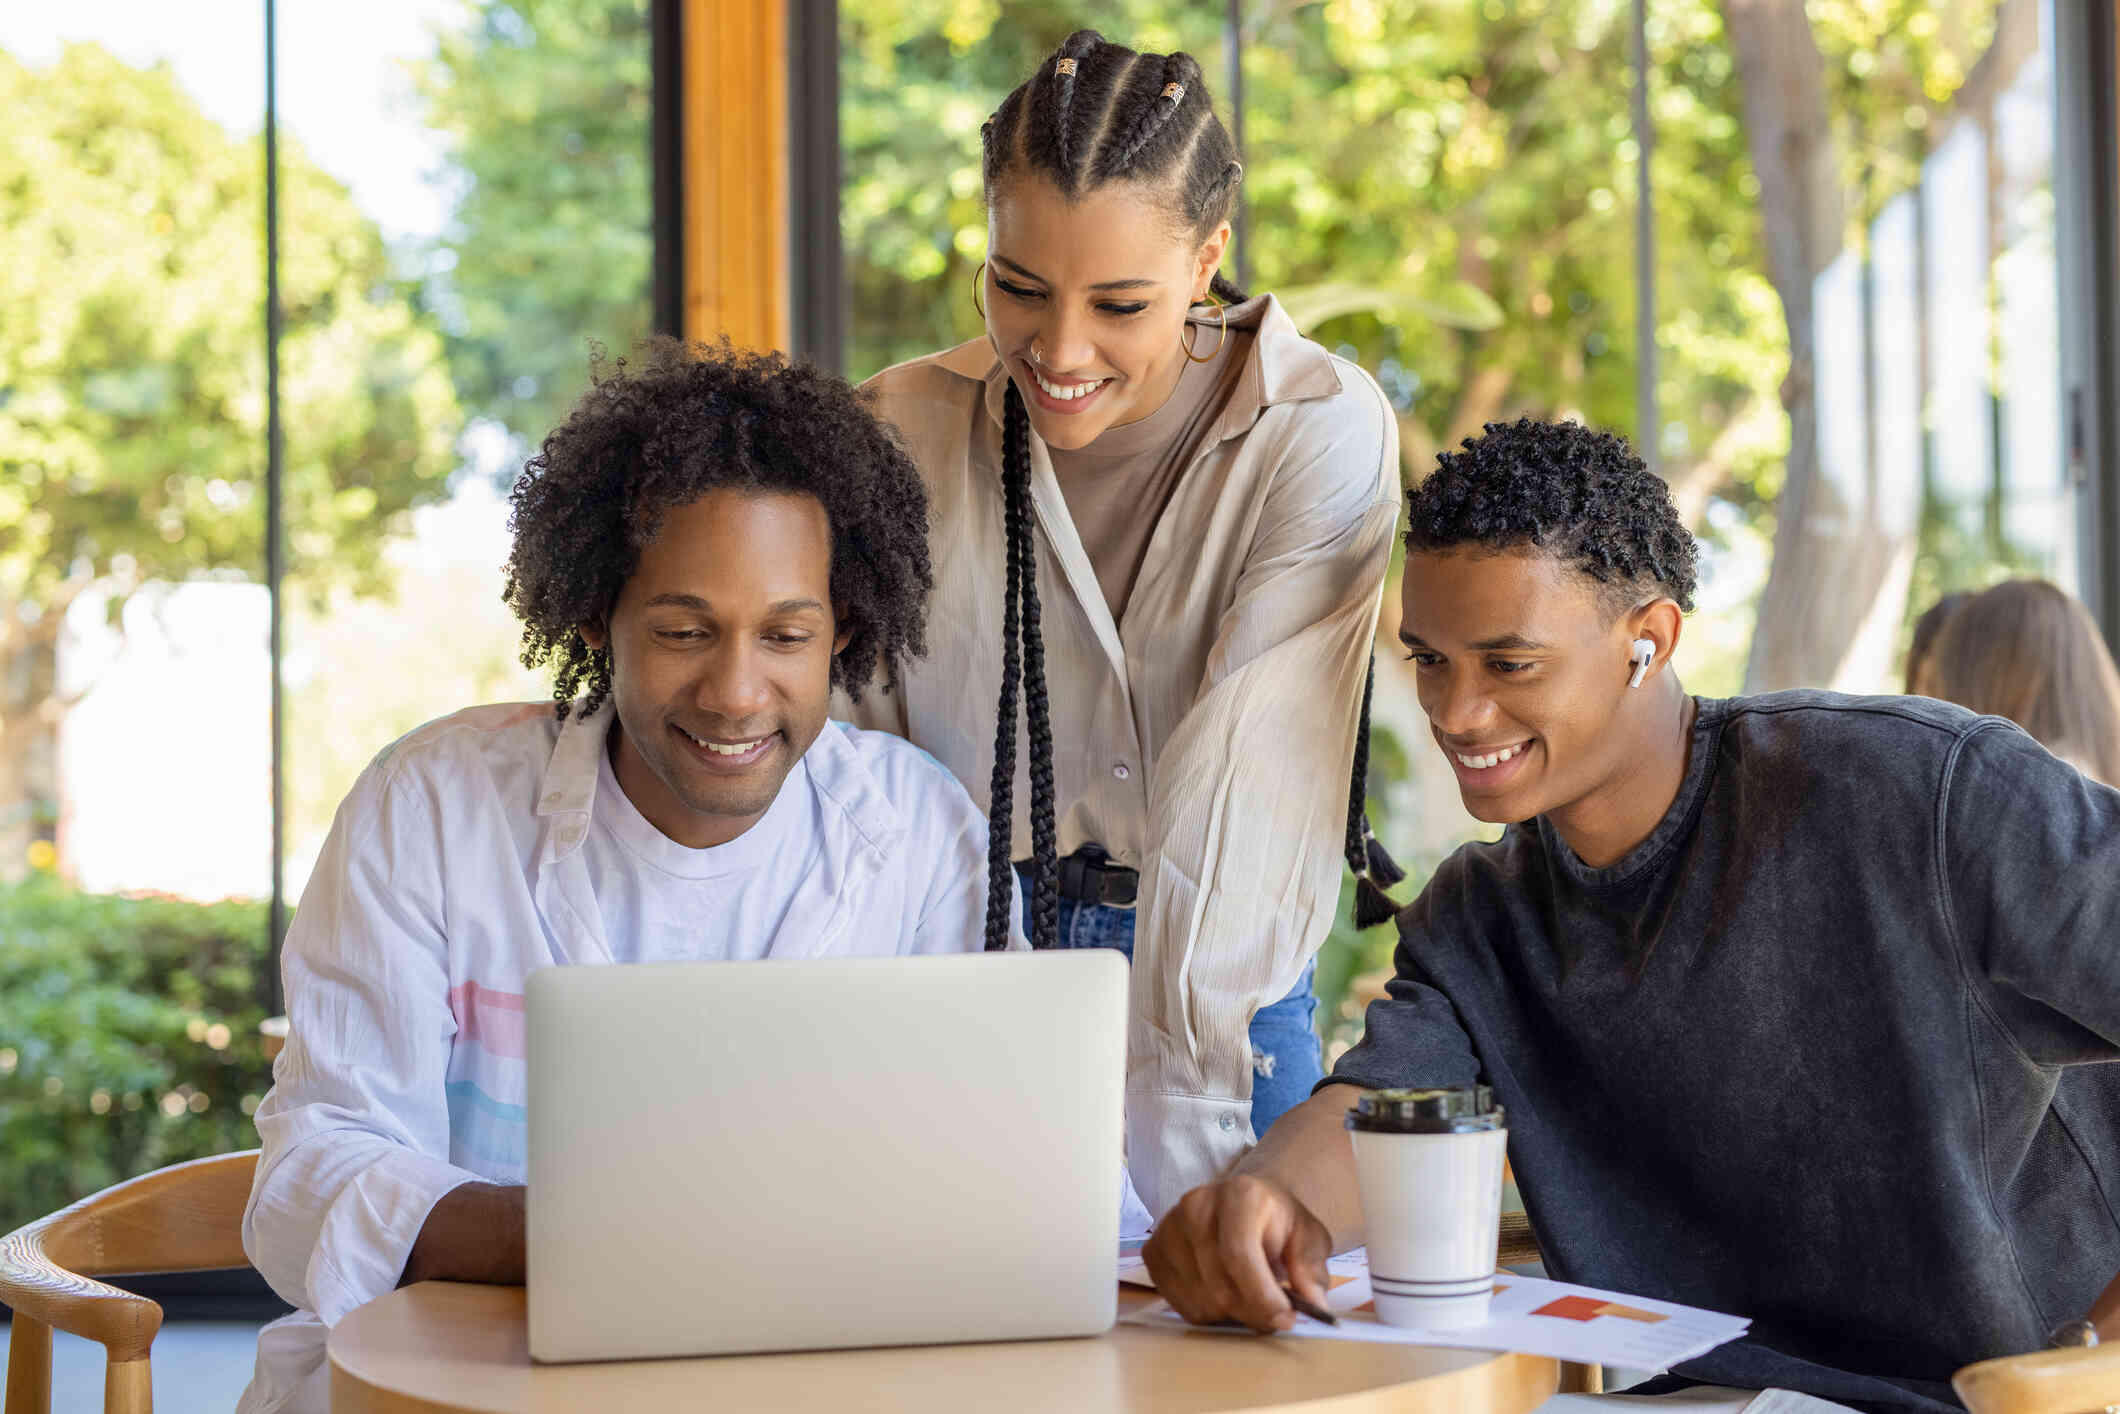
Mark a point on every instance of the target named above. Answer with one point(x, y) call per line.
point(456, 867)
point(1205, 736)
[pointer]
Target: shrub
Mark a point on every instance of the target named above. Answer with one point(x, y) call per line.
point(128, 1038)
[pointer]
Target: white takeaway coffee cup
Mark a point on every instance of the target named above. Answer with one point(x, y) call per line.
point(1430, 1167)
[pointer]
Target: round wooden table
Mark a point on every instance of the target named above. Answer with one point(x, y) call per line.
point(453, 1348)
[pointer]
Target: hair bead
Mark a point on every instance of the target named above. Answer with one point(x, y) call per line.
point(1373, 867)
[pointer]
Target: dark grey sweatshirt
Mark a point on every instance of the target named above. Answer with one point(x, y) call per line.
point(1832, 1048)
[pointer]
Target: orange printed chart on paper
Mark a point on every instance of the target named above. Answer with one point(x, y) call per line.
point(1589, 1308)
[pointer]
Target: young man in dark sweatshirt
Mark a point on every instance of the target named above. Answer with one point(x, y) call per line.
point(1802, 1006)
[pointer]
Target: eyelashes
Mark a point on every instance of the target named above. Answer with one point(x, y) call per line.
point(1030, 296)
point(1504, 666)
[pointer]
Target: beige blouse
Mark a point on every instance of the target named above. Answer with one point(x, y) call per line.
point(1115, 488)
point(1204, 738)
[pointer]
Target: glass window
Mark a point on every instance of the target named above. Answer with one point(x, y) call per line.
point(498, 156)
point(131, 427)
point(1935, 345)
point(463, 200)
point(134, 698)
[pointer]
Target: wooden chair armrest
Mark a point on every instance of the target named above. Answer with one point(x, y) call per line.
point(1517, 1245)
point(2067, 1381)
point(37, 1287)
point(184, 1218)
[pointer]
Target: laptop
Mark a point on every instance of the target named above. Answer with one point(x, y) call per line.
point(737, 1157)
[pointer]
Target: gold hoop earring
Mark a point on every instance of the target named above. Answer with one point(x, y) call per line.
point(979, 283)
point(1222, 333)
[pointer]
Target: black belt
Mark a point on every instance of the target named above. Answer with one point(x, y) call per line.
point(1089, 876)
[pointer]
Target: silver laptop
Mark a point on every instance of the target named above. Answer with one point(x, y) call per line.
point(732, 1157)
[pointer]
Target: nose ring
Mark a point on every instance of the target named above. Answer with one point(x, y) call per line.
point(1037, 357)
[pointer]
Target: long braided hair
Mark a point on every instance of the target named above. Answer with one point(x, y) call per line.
point(1094, 113)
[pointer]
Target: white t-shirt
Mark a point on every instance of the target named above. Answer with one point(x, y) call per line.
point(663, 902)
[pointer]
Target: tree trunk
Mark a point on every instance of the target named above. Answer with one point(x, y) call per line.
point(29, 736)
point(1485, 394)
point(1831, 567)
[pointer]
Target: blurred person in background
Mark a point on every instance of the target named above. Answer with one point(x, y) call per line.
point(1197, 502)
point(1925, 630)
point(2026, 650)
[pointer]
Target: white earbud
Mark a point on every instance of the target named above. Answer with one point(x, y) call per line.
point(1642, 654)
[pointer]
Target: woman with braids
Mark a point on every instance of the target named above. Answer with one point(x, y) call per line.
point(1161, 521)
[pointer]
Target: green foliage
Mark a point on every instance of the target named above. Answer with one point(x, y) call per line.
point(1473, 160)
point(1347, 954)
point(132, 381)
point(1892, 70)
point(128, 1039)
point(545, 105)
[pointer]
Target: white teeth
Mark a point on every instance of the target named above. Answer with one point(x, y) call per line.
point(740, 749)
point(1481, 763)
point(1068, 391)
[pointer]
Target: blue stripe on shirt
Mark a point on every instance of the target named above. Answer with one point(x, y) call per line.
point(487, 1128)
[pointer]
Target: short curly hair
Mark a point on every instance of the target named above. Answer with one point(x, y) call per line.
point(1582, 496)
point(681, 421)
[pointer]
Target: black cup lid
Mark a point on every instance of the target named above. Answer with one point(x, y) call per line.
point(1441, 1110)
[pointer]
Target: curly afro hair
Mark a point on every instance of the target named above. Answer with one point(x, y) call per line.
point(1582, 496)
point(683, 421)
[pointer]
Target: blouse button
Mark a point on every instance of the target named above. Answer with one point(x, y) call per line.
point(1228, 1120)
point(1122, 771)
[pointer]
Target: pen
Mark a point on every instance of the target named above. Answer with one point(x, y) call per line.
point(1303, 1304)
point(1311, 1308)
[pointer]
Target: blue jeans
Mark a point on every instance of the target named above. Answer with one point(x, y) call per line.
point(1285, 1063)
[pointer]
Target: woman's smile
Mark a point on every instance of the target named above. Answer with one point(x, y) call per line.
point(1065, 396)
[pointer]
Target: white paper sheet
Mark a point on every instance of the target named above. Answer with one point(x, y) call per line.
point(1134, 1221)
point(1538, 1317)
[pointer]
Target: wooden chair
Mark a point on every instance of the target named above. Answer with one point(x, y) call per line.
point(2077, 1380)
point(185, 1218)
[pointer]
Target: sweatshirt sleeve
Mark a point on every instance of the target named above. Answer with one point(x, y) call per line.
point(1248, 806)
point(2029, 867)
point(355, 1131)
point(1413, 1036)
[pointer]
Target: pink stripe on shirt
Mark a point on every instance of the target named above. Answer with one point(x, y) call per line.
point(491, 1019)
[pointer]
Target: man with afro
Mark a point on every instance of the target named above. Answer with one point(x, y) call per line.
point(1801, 1006)
point(708, 545)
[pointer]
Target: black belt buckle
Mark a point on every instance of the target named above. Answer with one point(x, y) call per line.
point(1089, 876)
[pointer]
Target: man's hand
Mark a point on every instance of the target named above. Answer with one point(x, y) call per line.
point(2105, 1312)
point(1224, 1252)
